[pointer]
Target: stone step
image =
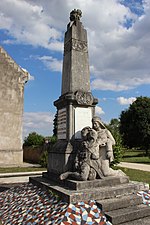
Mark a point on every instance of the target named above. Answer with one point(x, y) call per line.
point(18, 177)
point(119, 202)
point(73, 196)
point(130, 213)
point(143, 221)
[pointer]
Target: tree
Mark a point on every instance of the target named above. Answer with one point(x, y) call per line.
point(55, 124)
point(34, 139)
point(135, 124)
point(113, 126)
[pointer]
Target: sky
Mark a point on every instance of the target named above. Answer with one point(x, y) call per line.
point(32, 32)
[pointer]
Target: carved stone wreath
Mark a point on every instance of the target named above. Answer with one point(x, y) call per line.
point(84, 98)
point(77, 45)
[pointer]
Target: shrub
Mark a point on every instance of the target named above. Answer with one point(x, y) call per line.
point(34, 139)
point(44, 159)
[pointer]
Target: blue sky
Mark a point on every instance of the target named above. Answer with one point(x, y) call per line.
point(32, 33)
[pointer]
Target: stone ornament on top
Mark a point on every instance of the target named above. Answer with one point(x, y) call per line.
point(75, 14)
point(95, 154)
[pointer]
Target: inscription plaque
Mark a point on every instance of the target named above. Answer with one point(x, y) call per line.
point(61, 122)
point(83, 118)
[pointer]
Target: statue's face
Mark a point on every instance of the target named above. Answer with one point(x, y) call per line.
point(95, 125)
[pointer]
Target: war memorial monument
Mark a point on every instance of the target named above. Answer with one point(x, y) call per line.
point(79, 163)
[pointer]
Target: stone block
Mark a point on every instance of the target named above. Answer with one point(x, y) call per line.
point(90, 184)
point(120, 216)
point(60, 158)
point(119, 202)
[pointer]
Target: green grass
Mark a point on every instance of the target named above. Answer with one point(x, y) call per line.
point(135, 156)
point(136, 175)
point(20, 169)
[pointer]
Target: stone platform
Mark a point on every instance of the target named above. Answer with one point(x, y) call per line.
point(86, 190)
point(81, 185)
point(117, 196)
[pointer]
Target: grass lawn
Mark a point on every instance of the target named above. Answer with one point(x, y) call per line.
point(135, 156)
point(20, 169)
point(136, 175)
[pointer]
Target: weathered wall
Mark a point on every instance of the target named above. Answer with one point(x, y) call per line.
point(11, 110)
point(33, 154)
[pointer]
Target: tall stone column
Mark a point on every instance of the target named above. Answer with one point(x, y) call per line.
point(76, 104)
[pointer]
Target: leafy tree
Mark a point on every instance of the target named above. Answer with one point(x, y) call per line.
point(34, 139)
point(135, 124)
point(55, 125)
point(113, 126)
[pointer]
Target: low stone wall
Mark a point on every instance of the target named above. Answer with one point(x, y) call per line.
point(33, 154)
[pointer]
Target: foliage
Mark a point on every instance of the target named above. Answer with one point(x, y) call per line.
point(44, 159)
point(50, 139)
point(34, 139)
point(53, 139)
point(135, 124)
point(118, 148)
point(55, 124)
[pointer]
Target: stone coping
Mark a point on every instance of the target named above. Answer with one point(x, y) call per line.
point(18, 174)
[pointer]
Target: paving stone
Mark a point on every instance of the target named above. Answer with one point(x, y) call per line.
point(29, 204)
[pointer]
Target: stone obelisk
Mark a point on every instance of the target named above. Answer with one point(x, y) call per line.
point(76, 105)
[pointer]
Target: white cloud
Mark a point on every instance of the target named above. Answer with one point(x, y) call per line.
point(99, 111)
point(119, 57)
point(126, 101)
point(40, 122)
point(51, 63)
point(100, 84)
point(29, 24)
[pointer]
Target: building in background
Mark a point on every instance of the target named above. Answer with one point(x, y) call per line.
point(12, 81)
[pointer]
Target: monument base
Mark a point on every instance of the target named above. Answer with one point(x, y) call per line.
point(101, 191)
point(89, 184)
point(119, 200)
point(61, 157)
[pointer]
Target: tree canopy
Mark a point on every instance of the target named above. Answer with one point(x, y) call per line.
point(55, 124)
point(34, 139)
point(135, 124)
